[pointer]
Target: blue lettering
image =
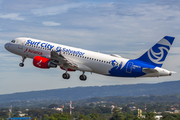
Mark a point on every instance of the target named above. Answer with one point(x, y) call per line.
point(70, 51)
point(51, 46)
point(38, 43)
point(64, 49)
point(28, 41)
point(67, 50)
point(42, 44)
point(58, 49)
point(32, 42)
point(46, 45)
point(74, 52)
point(35, 43)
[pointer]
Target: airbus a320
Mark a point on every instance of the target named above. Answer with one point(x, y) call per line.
point(47, 55)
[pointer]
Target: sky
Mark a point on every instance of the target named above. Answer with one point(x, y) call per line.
point(124, 27)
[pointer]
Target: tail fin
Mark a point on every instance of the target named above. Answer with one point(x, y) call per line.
point(157, 54)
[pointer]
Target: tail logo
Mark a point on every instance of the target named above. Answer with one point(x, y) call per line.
point(115, 64)
point(157, 53)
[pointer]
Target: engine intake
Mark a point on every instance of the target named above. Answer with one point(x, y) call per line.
point(42, 62)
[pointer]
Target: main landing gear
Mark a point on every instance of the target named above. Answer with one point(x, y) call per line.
point(22, 64)
point(81, 77)
point(66, 75)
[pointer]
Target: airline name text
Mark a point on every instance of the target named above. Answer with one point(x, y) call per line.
point(58, 49)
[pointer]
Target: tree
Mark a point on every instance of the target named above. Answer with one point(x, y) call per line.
point(94, 116)
point(82, 117)
point(45, 117)
point(150, 116)
point(126, 109)
point(129, 117)
point(118, 116)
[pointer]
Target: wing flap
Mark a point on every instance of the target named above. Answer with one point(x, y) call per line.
point(61, 60)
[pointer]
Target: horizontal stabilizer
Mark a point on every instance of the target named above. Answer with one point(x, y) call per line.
point(173, 72)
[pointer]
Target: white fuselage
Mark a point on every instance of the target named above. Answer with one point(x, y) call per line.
point(97, 62)
point(85, 60)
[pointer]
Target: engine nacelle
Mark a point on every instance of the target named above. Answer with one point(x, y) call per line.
point(42, 62)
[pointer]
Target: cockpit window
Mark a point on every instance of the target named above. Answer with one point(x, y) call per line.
point(13, 41)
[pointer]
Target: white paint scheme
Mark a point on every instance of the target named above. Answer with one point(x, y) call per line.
point(86, 65)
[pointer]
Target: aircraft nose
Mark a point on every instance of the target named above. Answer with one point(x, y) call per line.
point(6, 46)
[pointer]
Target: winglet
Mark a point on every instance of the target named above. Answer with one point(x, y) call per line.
point(157, 54)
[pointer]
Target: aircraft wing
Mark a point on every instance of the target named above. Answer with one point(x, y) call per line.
point(59, 59)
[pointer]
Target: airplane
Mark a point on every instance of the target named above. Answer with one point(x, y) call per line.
point(50, 55)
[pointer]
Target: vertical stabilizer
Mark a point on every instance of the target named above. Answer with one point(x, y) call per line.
point(157, 54)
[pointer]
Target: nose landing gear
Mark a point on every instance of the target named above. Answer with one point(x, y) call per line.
point(22, 64)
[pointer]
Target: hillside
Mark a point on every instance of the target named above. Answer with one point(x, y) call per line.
point(78, 93)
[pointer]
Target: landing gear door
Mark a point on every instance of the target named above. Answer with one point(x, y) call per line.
point(129, 67)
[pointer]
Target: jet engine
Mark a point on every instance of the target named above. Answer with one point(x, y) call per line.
point(42, 62)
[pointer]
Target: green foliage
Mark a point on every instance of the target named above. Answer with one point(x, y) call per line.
point(94, 116)
point(59, 116)
point(118, 116)
point(168, 116)
point(126, 109)
point(150, 116)
point(82, 117)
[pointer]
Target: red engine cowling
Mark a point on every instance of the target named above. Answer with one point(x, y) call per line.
point(42, 62)
point(67, 69)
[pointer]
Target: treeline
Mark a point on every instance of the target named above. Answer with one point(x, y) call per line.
point(89, 113)
point(166, 99)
